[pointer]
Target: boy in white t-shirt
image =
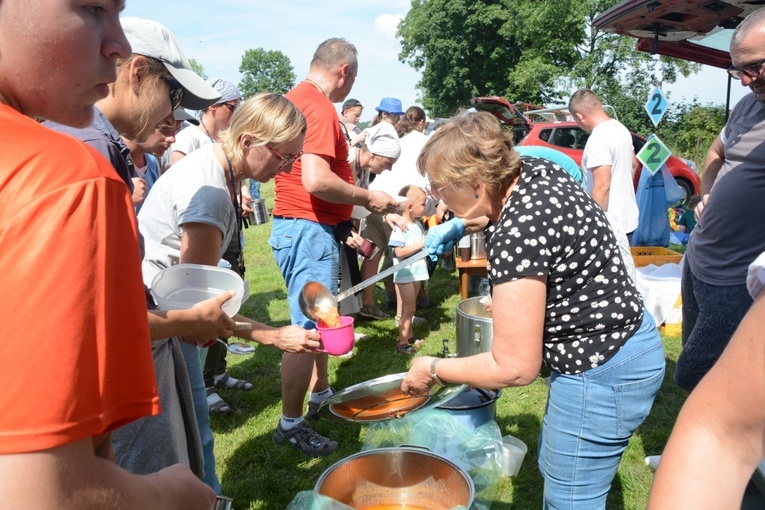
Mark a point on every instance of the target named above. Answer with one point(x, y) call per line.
point(407, 280)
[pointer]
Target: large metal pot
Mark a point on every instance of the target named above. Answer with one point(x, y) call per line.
point(473, 407)
point(402, 477)
point(474, 328)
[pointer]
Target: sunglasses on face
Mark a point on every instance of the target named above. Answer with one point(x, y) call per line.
point(285, 160)
point(176, 91)
point(752, 70)
point(231, 106)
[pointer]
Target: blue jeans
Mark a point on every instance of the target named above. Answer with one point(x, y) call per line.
point(194, 367)
point(304, 251)
point(254, 189)
point(590, 418)
point(711, 314)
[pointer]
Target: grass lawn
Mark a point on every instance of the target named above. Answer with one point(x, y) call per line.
point(259, 474)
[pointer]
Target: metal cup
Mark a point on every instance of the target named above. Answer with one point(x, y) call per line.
point(259, 214)
point(223, 503)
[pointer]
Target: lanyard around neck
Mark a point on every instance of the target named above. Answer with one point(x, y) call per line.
point(237, 205)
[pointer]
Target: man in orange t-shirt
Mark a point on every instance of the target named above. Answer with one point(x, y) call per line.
point(310, 201)
point(76, 358)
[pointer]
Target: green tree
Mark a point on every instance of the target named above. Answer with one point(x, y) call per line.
point(197, 67)
point(525, 50)
point(263, 70)
point(466, 48)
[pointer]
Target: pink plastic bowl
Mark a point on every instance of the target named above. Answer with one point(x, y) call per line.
point(337, 341)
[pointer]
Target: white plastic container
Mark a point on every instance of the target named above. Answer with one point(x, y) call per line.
point(182, 286)
point(513, 450)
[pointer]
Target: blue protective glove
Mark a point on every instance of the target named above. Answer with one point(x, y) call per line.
point(441, 238)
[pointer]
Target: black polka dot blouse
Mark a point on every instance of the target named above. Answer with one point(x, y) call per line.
point(550, 227)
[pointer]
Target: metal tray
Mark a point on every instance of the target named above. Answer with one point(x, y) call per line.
point(381, 399)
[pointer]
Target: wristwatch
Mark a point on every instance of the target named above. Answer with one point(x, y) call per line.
point(433, 374)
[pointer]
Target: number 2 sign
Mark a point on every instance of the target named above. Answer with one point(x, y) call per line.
point(656, 105)
point(654, 154)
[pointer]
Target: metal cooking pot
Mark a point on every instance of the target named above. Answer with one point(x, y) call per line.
point(473, 407)
point(474, 328)
point(402, 477)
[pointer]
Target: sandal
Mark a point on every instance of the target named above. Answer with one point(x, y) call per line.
point(216, 404)
point(226, 382)
point(416, 342)
point(406, 350)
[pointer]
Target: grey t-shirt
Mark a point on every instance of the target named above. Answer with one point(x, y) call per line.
point(729, 236)
point(194, 190)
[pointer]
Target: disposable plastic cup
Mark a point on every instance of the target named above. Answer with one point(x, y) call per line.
point(337, 341)
point(513, 451)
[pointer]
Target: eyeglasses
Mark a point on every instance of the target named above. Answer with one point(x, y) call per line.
point(286, 160)
point(751, 70)
point(231, 106)
point(435, 192)
point(176, 91)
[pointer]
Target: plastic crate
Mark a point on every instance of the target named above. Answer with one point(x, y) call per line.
point(645, 255)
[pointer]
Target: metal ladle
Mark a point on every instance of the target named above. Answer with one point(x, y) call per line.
point(314, 296)
point(237, 347)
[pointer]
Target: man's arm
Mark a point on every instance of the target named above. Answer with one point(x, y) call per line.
point(712, 164)
point(72, 476)
point(601, 185)
point(321, 181)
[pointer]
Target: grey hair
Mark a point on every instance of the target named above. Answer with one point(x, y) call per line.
point(755, 21)
point(335, 52)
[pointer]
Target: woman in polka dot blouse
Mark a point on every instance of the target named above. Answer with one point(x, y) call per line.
point(561, 296)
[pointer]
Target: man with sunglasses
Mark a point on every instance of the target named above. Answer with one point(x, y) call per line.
point(215, 118)
point(726, 240)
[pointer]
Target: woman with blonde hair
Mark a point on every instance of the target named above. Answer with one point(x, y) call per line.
point(561, 296)
point(193, 212)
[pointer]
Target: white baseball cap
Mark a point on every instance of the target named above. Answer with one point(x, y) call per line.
point(382, 140)
point(152, 39)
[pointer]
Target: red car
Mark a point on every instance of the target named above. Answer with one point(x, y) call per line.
point(570, 139)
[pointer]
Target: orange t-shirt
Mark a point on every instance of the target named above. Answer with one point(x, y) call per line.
point(324, 138)
point(75, 356)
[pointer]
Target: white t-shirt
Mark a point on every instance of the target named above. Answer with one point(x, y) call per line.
point(418, 271)
point(190, 139)
point(194, 190)
point(611, 144)
point(404, 171)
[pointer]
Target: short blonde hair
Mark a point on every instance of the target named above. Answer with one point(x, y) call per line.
point(470, 148)
point(268, 117)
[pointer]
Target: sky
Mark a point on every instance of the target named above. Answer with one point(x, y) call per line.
point(217, 33)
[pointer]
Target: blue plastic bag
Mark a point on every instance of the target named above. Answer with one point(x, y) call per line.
point(653, 224)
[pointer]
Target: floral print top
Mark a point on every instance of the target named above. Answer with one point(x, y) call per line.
point(550, 227)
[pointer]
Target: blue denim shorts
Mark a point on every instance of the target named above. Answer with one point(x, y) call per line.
point(590, 418)
point(711, 314)
point(304, 251)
